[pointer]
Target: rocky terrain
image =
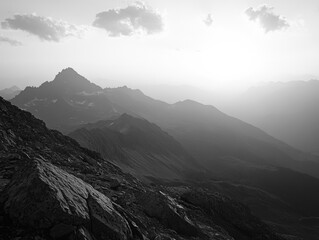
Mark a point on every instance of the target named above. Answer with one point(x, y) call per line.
point(51, 188)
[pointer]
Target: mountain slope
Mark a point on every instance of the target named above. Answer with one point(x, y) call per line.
point(287, 111)
point(210, 135)
point(9, 93)
point(137, 146)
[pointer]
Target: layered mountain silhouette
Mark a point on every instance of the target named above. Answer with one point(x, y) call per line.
point(229, 150)
point(209, 135)
point(287, 111)
point(138, 147)
point(9, 93)
point(51, 188)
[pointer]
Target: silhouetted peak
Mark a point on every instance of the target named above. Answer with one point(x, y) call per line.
point(67, 74)
point(68, 69)
point(13, 88)
point(69, 81)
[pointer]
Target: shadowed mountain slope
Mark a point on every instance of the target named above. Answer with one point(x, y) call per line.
point(137, 146)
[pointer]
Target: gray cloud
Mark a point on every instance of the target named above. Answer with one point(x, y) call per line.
point(130, 20)
point(10, 41)
point(268, 20)
point(208, 20)
point(43, 27)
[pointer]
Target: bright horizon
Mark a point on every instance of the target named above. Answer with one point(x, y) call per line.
point(223, 46)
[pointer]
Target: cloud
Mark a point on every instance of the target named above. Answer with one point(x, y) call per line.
point(268, 20)
point(12, 42)
point(135, 18)
point(208, 20)
point(44, 27)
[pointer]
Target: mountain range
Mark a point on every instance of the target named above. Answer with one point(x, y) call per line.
point(182, 143)
point(52, 188)
point(287, 111)
point(212, 137)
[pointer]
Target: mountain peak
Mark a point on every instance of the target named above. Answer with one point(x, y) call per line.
point(68, 80)
point(9, 93)
point(67, 74)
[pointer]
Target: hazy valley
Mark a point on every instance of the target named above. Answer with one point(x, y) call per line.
point(173, 148)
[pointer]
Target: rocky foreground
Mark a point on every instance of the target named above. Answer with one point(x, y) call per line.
point(51, 188)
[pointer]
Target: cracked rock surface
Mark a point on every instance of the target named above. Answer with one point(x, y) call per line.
point(42, 196)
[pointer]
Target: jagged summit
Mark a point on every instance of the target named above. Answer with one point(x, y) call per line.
point(68, 80)
point(67, 74)
point(69, 96)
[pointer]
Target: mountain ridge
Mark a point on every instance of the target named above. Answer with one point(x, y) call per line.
point(285, 110)
point(138, 146)
point(188, 122)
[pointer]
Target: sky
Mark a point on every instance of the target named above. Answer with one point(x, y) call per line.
point(224, 46)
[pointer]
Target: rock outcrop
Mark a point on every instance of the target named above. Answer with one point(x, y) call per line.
point(44, 196)
point(170, 213)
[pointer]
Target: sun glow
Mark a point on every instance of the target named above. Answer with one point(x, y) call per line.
point(225, 60)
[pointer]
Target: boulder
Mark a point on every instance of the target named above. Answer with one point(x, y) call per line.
point(168, 212)
point(107, 226)
point(42, 196)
